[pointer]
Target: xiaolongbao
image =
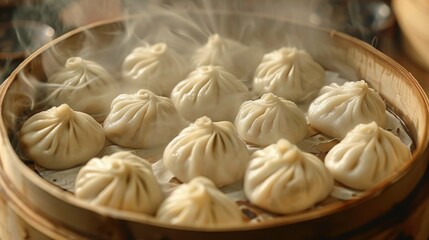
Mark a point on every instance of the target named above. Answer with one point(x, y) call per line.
point(142, 120)
point(340, 108)
point(209, 91)
point(366, 156)
point(266, 120)
point(283, 179)
point(289, 73)
point(210, 149)
point(199, 204)
point(122, 181)
point(157, 68)
point(235, 57)
point(61, 138)
point(85, 86)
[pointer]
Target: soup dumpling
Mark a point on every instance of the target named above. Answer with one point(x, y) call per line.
point(85, 86)
point(122, 181)
point(199, 204)
point(266, 120)
point(210, 149)
point(339, 108)
point(282, 179)
point(157, 68)
point(142, 120)
point(210, 91)
point(289, 73)
point(366, 156)
point(235, 57)
point(61, 138)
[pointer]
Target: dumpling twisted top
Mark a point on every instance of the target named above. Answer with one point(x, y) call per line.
point(200, 204)
point(142, 120)
point(283, 179)
point(266, 120)
point(366, 156)
point(61, 138)
point(122, 181)
point(338, 109)
point(210, 149)
point(157, 68)
point(289, 73)
point(85, 86)
point(210, 91)
point(235, 57)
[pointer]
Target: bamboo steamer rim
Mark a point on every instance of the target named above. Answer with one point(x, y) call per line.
point(283, 220)
point(31, 217)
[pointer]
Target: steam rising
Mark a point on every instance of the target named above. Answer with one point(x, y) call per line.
point(184, 26)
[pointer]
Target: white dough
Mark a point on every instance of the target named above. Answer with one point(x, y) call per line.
point(122, 181)
point(157, 68)
point(210, 149)
point(60, 138)
point(235, 57)
point(85, 86)
point(199, 204)
point(210, 91)
point(266, 120)
point(282, 179)
point(366, 156)
point(142, 120)
point(338, 109)
point(289, 73)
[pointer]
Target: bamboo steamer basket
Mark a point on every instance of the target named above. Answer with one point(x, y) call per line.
point(54, 213)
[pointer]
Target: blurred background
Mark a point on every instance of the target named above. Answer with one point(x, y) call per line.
point(25, 25)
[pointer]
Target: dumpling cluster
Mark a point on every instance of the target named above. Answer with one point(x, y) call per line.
point(199, 204)
point(366, 156)
point(85, 86)
point(157, 68)
point(209, 91)
point(210, 149)
point(289, 73)
point(338, 109)
point(266, 120)
point(210, 152)
point(122, 181)
point(60, 138)
point(283, 179)
point(142, 120)
point(235, 57)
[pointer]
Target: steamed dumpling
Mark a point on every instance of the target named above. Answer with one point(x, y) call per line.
point(338, 109)
point(366, 156)
point(283, 179)
point(266, 120)
point(85, 86)
point(61, 138)
point(289, 73)
point(209, 91)
point(235, 57)
point(210, 149)
point(199, 204)
point(157, 68)
point(142, 120)
point(122, 181)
